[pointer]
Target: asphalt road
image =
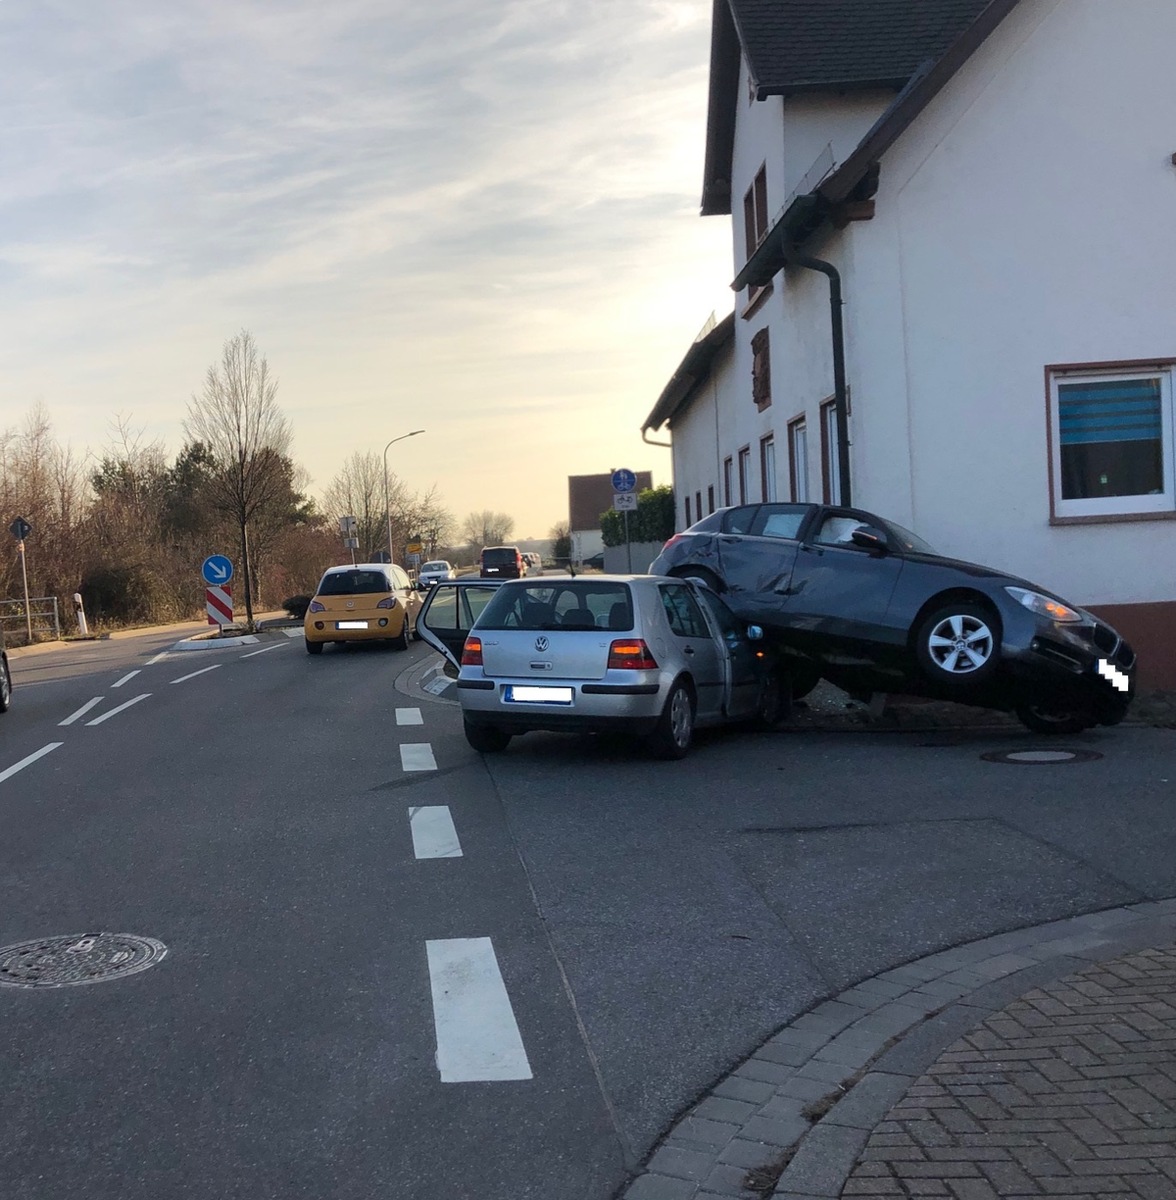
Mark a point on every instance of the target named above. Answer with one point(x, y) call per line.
point(618, 932)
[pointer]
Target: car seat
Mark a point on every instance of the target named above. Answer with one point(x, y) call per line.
point(578, 618)
point(618, 616)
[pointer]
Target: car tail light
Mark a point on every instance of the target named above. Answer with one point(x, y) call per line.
point(676, 538)
point(471, 655)
point(387, 602)
point(630, 654)
point(315, 606)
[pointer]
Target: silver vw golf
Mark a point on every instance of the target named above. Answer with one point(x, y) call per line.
point(645, 655)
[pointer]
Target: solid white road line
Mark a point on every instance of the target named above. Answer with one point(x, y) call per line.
point(115, 711)
point(417, 756)
point(409, 716)
point(124, 679)
point(264, 650)
point(477, 1036)
point(193, 674)
point(82, 711)
point(433, 834)
point(32, 758)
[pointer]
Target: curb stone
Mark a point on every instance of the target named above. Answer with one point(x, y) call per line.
point(797, 1113)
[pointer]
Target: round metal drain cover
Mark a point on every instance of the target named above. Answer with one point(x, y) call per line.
point(82, 958)
point(1038, 758)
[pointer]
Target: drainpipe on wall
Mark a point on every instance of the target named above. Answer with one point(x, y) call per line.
point(839, 392)
point(650, 442)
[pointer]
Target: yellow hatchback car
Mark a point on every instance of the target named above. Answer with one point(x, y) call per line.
point(365, 603)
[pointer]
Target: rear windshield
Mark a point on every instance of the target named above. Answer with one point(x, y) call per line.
point(499, 555)
point(354, 583)
point(435, 566)
point(565, 605)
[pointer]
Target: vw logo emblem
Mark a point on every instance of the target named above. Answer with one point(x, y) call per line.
point(540, 644)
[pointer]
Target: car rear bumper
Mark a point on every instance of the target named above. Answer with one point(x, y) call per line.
point(632, 704)
point(392, 618)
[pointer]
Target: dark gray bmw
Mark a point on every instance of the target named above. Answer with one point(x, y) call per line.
point(856, 599)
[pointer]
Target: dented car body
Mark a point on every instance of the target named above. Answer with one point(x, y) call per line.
point(859, 600)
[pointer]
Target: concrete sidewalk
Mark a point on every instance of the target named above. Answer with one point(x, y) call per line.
point(1035, 1063)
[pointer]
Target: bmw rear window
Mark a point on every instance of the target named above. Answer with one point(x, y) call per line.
point(354, 583)
point(564, 605)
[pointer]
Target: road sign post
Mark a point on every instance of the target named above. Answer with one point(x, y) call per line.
point(20, 529)
point(624, 484)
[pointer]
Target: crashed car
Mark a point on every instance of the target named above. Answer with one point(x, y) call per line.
point(651, 658)
point(856, 599)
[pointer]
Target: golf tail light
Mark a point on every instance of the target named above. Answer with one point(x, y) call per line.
point(630, 654)
point(471, 655)
point(315, 606)
point(387, 602)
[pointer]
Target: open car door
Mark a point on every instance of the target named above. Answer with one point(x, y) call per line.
point(449, 612)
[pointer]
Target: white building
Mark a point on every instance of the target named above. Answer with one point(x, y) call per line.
point(993, 187)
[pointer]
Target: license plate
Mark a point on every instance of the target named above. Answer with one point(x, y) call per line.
point(350, 624)
point(538, 695)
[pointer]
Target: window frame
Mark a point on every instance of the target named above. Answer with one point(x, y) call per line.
point(755, 227)
point(710, 498)
point(1112, 508)
point(744, 475)
point(798, 478)
point(830, 459)
point(767, 448)
point(728, 480)
point(687, 508)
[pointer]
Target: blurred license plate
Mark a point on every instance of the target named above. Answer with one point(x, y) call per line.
point(538, 695)
point(350, 624)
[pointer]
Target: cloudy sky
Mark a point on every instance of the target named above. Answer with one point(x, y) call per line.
point(476, 218)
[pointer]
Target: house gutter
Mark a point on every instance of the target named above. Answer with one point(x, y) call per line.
point(840, 393)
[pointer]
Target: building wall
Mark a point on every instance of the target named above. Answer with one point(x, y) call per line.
point(699, 435)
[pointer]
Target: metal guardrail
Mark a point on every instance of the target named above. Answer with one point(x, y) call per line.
point(42, 617)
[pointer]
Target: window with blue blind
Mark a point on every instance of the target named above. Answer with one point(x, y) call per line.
point(1113, 444)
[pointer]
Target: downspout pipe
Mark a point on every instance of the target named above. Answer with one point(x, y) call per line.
point(649, 441)
point(840, 395)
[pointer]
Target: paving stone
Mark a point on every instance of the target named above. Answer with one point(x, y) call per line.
point(750, 1090)
point(681, 1164)
point(661, 1187)
point(721, 1108)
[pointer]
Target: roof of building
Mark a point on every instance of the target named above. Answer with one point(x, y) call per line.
point(692, 370)
point(794, 46)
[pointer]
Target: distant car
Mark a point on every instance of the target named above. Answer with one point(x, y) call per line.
point(502, 562)
point(859, 600)
point(364, 603)
point(5, 677)
point(652, 657)
point(595, 562)
point(434, 571)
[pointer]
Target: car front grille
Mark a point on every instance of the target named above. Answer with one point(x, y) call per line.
point(1124, 657)
point(1105, 638)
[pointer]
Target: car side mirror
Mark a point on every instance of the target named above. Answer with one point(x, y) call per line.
point(868, 537)
point(755, 633)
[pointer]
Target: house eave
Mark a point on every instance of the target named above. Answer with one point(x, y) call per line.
point(691, 371)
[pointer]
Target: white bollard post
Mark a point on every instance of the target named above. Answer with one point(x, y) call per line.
point(82, 628)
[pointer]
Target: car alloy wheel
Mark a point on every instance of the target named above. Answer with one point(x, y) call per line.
point(675, 726)
point(959, 644)
point(5, 687)
point(401, 640)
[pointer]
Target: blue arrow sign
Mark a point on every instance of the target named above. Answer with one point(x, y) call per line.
point(217, 569)
point(623, 481)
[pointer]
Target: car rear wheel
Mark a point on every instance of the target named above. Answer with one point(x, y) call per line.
point(959, 645)
point(1047, 719)
point(485, 739)
point(314, 647)
point(701, 575)
point(401, 640)
point(5, 687)
point(675, 727)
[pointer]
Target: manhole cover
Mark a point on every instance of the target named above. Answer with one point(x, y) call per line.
point(1040, 757)
point(82, 958)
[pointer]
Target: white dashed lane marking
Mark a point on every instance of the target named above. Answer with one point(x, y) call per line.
point(417, 756)
point(115, 711)
point(32, 758)
point(409, 716)
point(478, 1037)
point(292, 633)
point(193, 674)
point(81, 712)
point(433, 833)
point(161, 655)
point(263, 650)
point(125, 678)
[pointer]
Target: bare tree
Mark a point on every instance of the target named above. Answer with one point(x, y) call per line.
point(248, 438)
point(358, 491)
point(486, 528)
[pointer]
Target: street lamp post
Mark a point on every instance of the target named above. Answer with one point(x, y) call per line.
point(387, 506)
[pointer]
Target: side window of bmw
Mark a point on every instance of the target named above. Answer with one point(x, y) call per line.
point(682, 612)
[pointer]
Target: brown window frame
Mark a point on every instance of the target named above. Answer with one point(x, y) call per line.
point(744, 474)
point(755, 223)
point(728, 479)
point(800, 422)
point(829, 465)
point(689, 522)
point(710, 497)
point(767, 493)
